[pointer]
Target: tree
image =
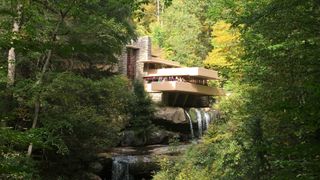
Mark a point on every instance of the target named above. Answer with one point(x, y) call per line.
point(141, 111)
point(83, 39)
point(149, 15)
point(11, 53)
point(270, 127)
point(226, 51)
point(185, 32)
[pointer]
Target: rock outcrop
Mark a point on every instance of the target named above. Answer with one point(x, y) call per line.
point(158, 136)
point(127, 162)
point(172, 114)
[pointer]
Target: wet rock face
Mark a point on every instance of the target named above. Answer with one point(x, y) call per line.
point(126, 167)
point(172, 114)
point(131, 138)
point(95, 167)
point(159, 137)
point(125, 163)
point(139, 154)
point(91, 176)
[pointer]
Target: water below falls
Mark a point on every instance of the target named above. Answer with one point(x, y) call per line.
point(200, 122)
point(190, 123)
point(121, 166)
point(203, 119)
point(124, 167)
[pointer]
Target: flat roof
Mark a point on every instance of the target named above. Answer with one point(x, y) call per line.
point(162, 61)
point(185, 71)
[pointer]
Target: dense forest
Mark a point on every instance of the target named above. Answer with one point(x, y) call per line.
point(62, 100)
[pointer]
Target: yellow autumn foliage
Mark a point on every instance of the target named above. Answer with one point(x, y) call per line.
point(225, 41)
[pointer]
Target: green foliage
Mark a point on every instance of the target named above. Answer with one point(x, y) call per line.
point(17, 166)
point(141, 111)
point(86, 33)
point(270, 124)
point(13, 163)
point(80, 117)
point(226, 51)
point(75, 105)
point(184, 34)
point(82, 108)
point(147, 16)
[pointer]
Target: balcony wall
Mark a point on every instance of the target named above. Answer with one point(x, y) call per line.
point(188, 71)
point(175, 86)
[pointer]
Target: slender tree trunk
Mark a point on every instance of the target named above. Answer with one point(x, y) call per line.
point(43, 71)
point(35, 121)
point(38, 83)
point(12, 53)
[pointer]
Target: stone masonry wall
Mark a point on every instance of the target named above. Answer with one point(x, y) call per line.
point(144, 53)
point(144, 43)
point(123, 62)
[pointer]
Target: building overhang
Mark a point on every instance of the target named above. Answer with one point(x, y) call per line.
point(157, 60)
point(187, 71)
point(184, 87)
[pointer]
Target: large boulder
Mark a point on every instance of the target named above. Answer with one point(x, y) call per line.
point(159, 137)
point(91, 176)
point(131, 138)
point(95, 167)
point(172, 114)
point(136, 161)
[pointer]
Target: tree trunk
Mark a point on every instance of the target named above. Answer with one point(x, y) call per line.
point(34, 123)
point(38, 83)
point(43, 71)
point(37, 103)
point(12, 53)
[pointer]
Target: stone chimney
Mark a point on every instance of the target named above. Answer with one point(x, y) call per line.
point(144, 45)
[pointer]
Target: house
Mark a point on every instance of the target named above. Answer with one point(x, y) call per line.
point(167, 82)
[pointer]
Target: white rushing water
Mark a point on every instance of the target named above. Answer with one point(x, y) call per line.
point(199, 120)
point(190, 122)
point(120, 167)
point(207, 119)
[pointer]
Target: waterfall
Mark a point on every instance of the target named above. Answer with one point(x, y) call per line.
point(190, 122)
point(203, 118)
point(207, 119)
point(199, 119)
point(120, 167)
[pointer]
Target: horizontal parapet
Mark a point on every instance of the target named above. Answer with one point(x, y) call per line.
point(187, 71)
point(156, 60)
point(175, 86)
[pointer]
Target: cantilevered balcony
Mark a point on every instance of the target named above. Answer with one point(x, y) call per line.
point(186, 87)
point(183, 79)
point(181, 86)
point(185, 71)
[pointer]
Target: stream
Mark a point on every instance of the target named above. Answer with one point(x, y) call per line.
point(137, 163)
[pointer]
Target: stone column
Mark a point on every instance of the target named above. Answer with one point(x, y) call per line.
point(144, 45)
point(122, 64)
